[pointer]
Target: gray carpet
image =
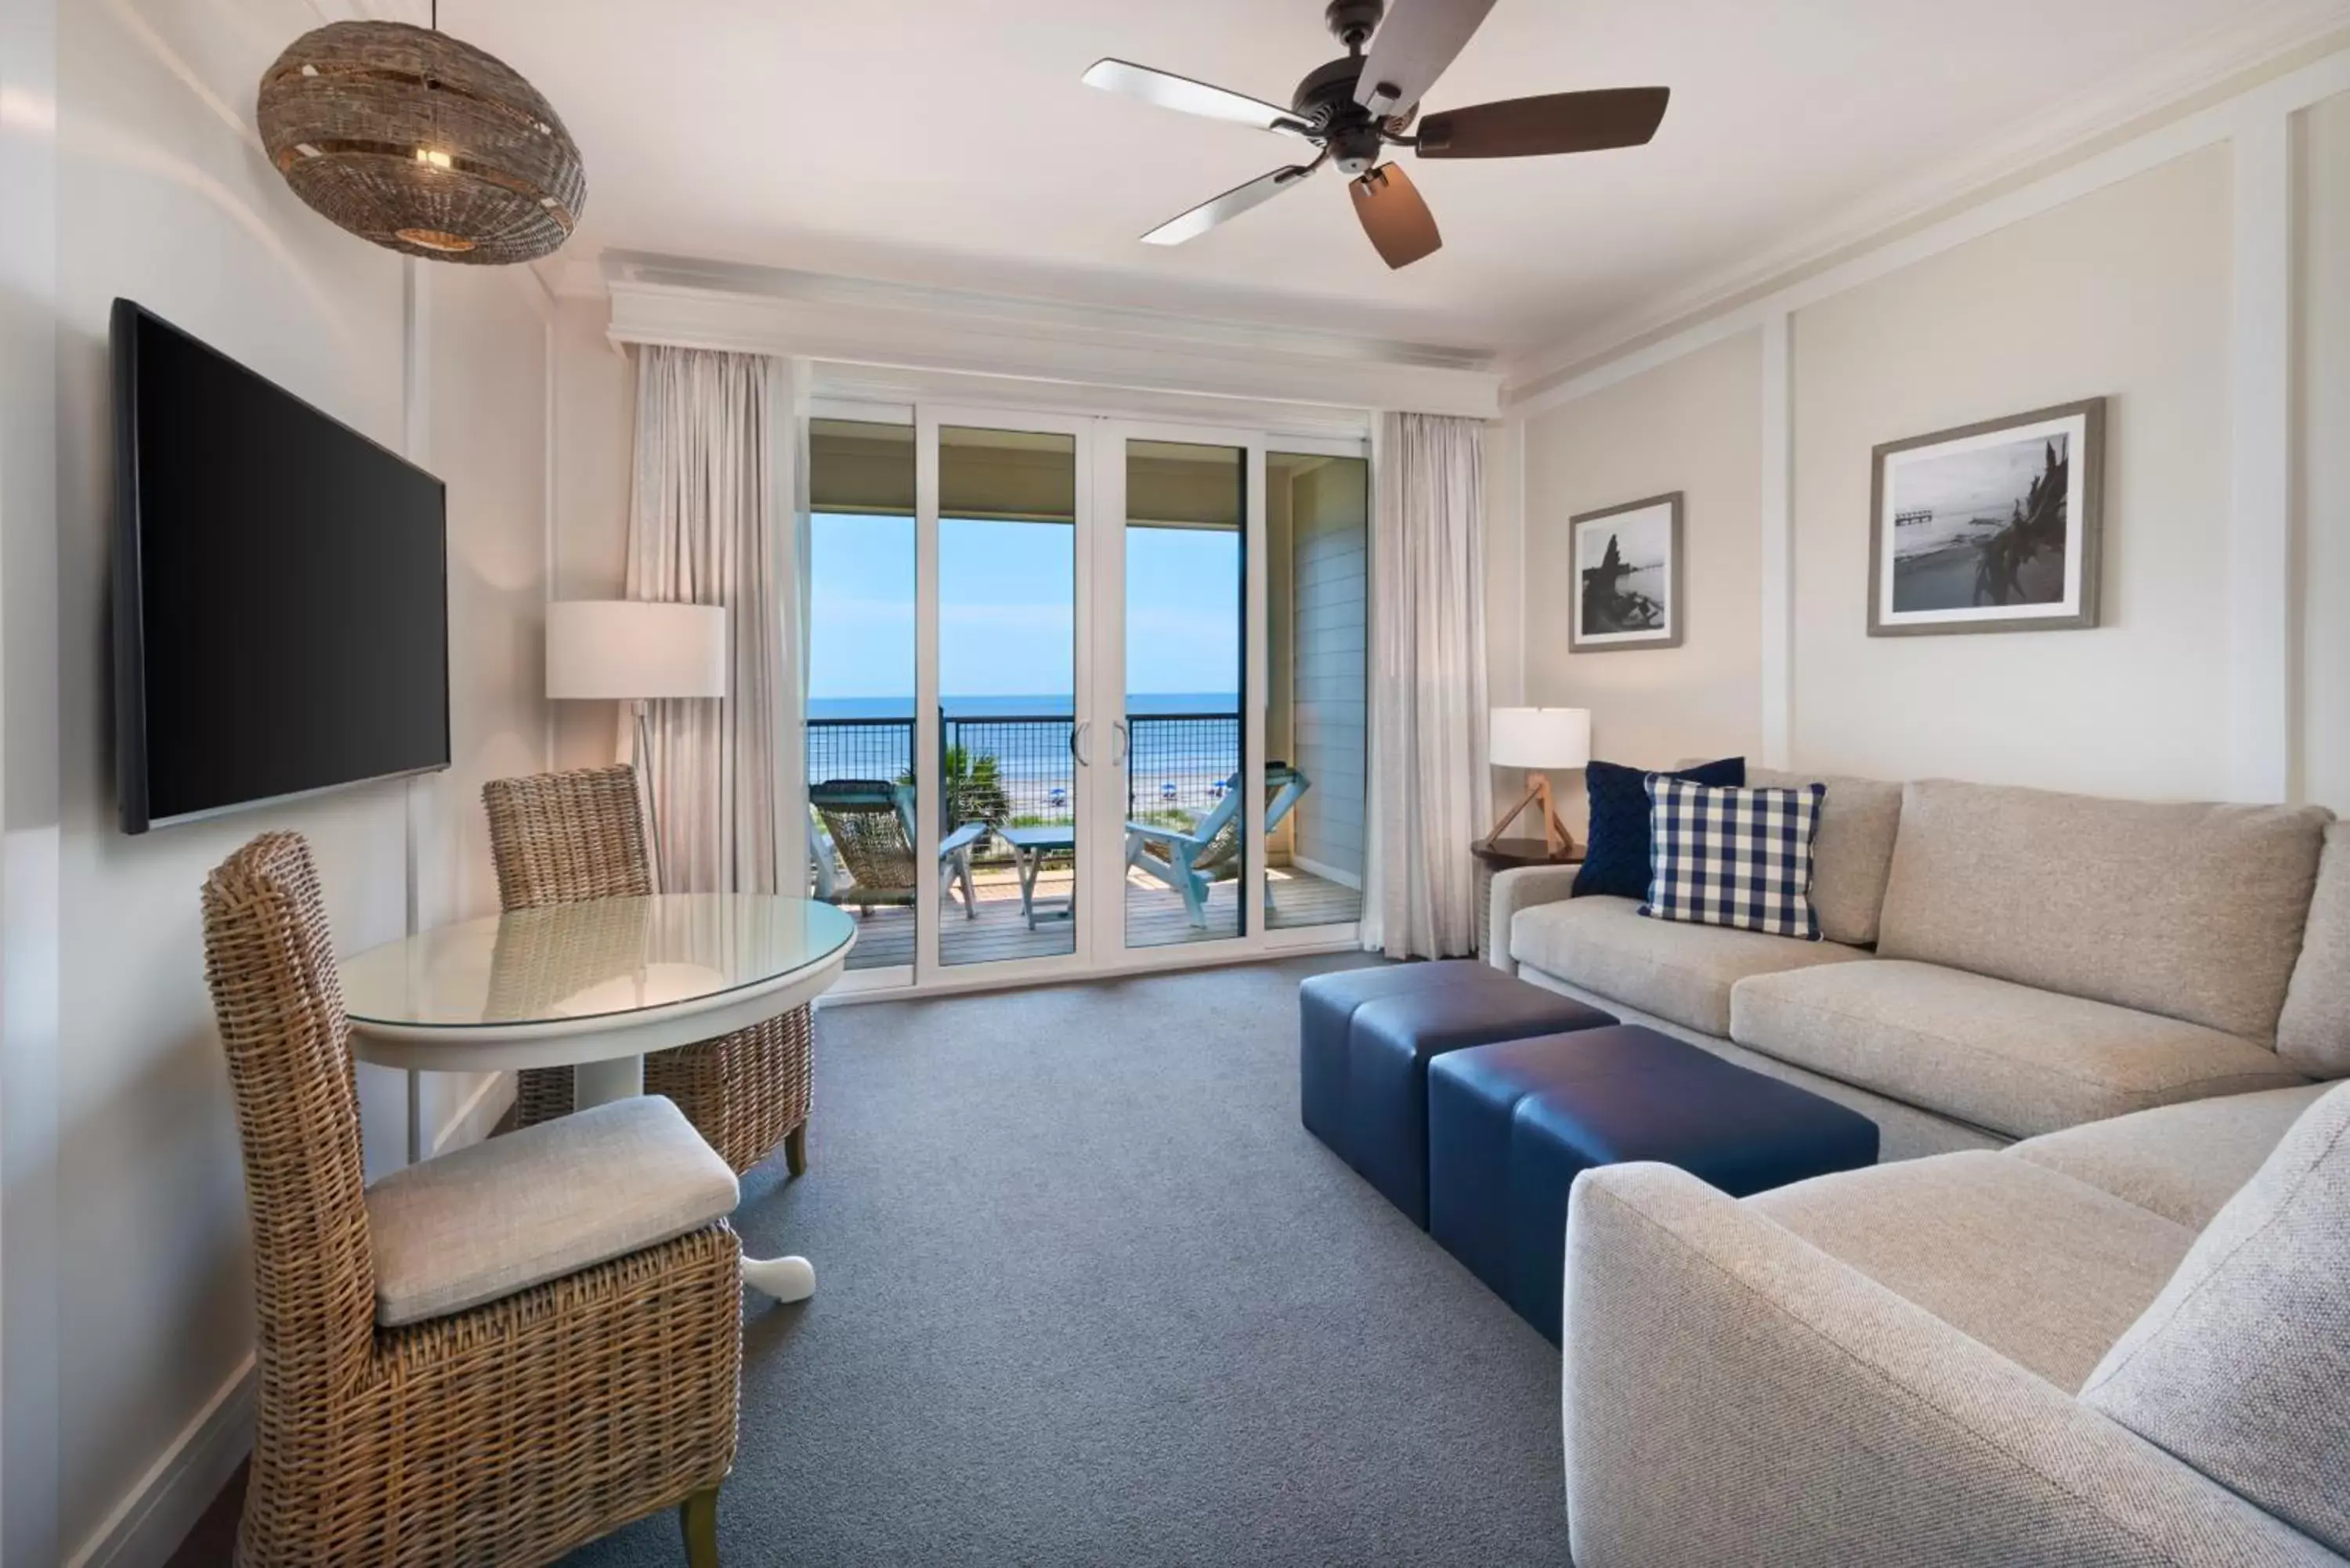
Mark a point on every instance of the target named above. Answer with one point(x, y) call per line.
point(1087, 1293)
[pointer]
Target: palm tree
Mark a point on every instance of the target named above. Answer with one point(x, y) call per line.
point(974, 787)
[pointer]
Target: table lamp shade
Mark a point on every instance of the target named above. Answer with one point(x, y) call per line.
point(1541, 737)
point(630, 649)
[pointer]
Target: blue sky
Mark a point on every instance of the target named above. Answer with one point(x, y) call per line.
point(1006, 627)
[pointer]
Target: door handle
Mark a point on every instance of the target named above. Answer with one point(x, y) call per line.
point(1124, 744)
point(1078, 744)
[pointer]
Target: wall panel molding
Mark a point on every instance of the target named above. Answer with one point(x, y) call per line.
point(2262, 643)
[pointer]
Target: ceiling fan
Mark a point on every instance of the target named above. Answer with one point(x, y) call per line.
point(1353, 109)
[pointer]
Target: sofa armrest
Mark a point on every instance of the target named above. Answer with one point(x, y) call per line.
point(1733, 1394)
point(1520, 887)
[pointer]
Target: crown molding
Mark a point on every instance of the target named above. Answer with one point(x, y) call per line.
point(2268, 41)
point(908, 328)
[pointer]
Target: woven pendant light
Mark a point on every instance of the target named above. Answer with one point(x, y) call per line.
point(422, 144)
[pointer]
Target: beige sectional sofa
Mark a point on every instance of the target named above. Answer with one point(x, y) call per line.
point(2111, 1326)
point(2124, 1343)
point(2001, 963)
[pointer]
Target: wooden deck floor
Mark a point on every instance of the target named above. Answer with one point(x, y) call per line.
point(1154, 917)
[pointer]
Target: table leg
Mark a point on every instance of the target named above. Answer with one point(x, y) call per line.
point(1028, 861)
point(601, 1083)
point(789, 1279)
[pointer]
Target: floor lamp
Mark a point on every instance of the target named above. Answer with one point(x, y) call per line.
point(1540, 738)
point(638, 652)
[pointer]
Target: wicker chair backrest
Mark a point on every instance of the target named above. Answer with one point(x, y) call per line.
point(558, 839)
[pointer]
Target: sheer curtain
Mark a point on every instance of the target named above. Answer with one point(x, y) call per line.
point(713, 519)
point(1432, 793)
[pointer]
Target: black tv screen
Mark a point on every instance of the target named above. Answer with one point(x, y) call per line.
point(281, 618)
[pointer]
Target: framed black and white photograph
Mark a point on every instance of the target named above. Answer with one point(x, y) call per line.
point(1627, 576)
point(1990, 528)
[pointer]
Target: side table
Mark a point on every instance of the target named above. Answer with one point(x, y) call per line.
point(1501, 854)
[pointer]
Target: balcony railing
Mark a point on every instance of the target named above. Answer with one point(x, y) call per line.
point(1014, 769)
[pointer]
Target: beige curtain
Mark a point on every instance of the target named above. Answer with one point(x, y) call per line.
point(712, 521)
point(1431, 792)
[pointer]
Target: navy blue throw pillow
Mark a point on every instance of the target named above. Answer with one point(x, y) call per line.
point(1616, 848)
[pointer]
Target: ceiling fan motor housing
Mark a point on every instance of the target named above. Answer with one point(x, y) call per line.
point(1326, 100)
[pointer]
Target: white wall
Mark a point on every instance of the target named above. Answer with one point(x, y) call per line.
point(2123, 294)
point(1692, 426)
point(2325, 444)
point(163, 196)
point(595, 422)
point(2137, 273)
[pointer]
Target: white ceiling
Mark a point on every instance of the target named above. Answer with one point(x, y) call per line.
point(950, 143)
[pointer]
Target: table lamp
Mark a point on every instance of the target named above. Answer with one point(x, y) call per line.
point(636, 651)
point(1540, 738)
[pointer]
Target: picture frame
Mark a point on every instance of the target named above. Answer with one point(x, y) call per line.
point(1626, 588)
point(1993, 526)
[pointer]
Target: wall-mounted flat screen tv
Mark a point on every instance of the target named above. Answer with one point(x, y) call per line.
point(281, 619)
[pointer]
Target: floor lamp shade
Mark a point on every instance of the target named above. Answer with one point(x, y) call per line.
point(633, 650)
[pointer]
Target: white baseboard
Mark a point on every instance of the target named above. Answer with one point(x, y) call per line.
point(147, 1526)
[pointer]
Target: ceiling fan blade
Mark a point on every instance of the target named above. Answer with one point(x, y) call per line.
point(1171, 91)
point(1230, 204)
point(1401, 228)
point(1558, 123)
point(1411, 49)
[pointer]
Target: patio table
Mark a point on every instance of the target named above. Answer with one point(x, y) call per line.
point(1029, 847)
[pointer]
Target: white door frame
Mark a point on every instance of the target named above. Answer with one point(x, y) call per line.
point(1099, 623)
point(930, 972)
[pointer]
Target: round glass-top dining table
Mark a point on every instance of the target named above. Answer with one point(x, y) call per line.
point(594, 986)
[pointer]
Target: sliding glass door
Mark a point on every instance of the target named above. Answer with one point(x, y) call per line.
point(1083, 695)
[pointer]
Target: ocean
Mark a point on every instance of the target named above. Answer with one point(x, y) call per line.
point(999, 707)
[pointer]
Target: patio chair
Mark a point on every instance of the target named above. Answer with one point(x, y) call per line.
point(1210, 852)
point(868, 826)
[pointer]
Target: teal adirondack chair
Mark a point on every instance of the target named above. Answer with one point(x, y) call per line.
point(1210, 852)
point(869, 825)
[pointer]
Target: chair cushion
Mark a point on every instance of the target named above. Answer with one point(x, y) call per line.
point(2046, 1269)
point(2191, 911)
point(1682, 973)
point(2184, 1161)
point(2314, 1032)
point(1739, 857)
point(2242, 1366)
point(1852, 855)
point(1616, 851)
point(534, 1205)
point(2009, 1057)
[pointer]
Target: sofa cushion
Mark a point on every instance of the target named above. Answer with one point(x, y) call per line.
point(2183, 1161)
point(2046, 1269)
point(1853, 853)
point(1616, 854)
point(1680, 973)
point(2191, 911)
point(2314, 1033)
point(498, 1217)
point(2242, 1366)
point(2009, 1057)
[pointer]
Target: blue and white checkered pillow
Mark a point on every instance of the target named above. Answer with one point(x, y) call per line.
point(1732, 856)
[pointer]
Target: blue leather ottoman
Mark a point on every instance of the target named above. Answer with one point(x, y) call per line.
point(1365, 1037)
point(1511, 1126)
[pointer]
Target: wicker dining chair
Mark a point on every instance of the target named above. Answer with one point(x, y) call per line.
point(561, 837)
point(509, 1431)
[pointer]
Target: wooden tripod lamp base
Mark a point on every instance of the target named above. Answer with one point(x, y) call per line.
point(1538, 740)
point(1556, 838)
